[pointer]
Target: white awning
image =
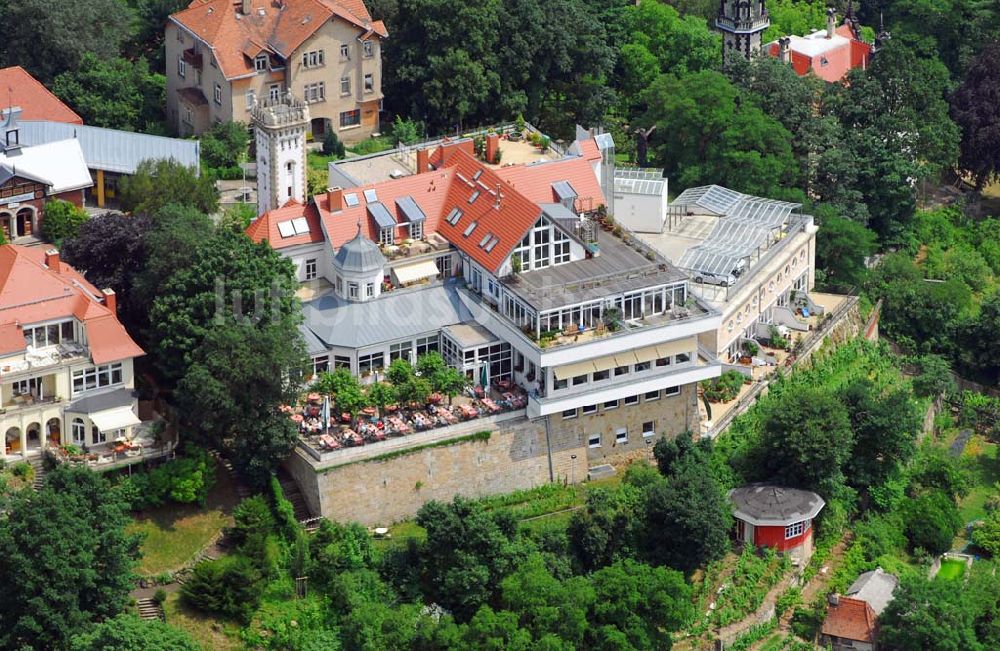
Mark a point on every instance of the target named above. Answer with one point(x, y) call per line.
point(572, 370)
point(646, 354)
point(677, 347)
point(114, 419)
point(414, 272)
point(605, 363)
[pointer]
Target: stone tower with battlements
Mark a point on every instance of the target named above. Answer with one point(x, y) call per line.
point(280, 133)
point(742, 23)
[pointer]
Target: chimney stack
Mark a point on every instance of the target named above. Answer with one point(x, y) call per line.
point(110, 300)
point(831, 22)
point(335, 199)
point(834, 599)
point(785, 49)
point(52, 260)
point(423, 158)
point(246, 7)
point(492, 147)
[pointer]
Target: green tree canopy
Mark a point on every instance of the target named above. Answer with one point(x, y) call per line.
point(55, 37)
point(65, 558)
point(707, 133)
point(157, 183)
point(129, 633)
point(806, 439)
point(114, 93)
point(842, 246)
point(885, 427)
point(975, 107)
point(62, 220)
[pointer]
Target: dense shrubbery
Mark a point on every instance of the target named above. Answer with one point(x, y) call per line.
point(62, 220)
point(186, 479)
point(725, 387)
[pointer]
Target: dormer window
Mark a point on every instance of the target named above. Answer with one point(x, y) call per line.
point(260, 63)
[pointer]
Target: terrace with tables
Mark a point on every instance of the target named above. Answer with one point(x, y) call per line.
point(323, 433)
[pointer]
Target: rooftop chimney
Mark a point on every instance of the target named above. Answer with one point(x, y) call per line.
point(492, 147)
point(423, 158)
point(834, 599)
point(246, 7)
point(335, 199)
point(52, 260)
point(785, 49)
point(110, 300)
point(831, 22)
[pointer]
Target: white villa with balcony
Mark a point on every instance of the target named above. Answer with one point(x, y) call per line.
point(66, 365)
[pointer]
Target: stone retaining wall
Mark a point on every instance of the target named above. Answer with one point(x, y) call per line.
point(380, 491)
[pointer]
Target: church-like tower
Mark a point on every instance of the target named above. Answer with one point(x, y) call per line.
point(280, 132)
point(742, 23)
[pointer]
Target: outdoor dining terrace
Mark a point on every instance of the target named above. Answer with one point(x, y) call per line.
point(323, 432)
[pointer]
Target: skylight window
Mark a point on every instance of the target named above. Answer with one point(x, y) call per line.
point(475, 177)
point(300, 225)
point(351, 199)
point(475, 195)
point(486, 238)
point(454, 216)
point(468, 229)
point(286, 229)
point(492, 243)
point(370, 195)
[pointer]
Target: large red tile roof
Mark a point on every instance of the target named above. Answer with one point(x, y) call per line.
point(31, 292)
point(507, 219)
point(236, 38)
point(265, 227)
point(852, 619)
point(18, 88)
point(535, 181)
point(841, 55)
point(437, 192)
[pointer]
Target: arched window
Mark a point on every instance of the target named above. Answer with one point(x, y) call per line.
point(79, 431)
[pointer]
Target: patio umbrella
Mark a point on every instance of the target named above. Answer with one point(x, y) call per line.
point(484, 377)
point(326, 413)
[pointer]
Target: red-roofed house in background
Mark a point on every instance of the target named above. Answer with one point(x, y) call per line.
point(829, 53)
point(223, 56)
point(850, 624)
point(18, 88)
point(66, 367)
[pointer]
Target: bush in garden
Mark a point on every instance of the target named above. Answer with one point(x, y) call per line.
point(62, 220)
point(332, 145)
point(185, 480)
point(724, 388)
point(253, 518)
point(228, 587)
point(931, 522)
point(987, 534)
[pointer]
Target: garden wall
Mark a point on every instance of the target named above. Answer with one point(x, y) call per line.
point(392, 487)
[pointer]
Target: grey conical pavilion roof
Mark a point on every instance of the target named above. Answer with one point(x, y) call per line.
point(360, 255)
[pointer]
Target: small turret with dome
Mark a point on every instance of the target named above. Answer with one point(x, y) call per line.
point(358, 268)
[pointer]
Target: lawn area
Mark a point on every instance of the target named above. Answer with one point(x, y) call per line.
point(212, 634)
point(318, 161)
point(176, 532)
point(372, 145)
point(952, 569)
point(986, 465)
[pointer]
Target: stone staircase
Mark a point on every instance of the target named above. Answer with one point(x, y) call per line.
point(149, 609)
point(38, 463)
point(294, 495)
